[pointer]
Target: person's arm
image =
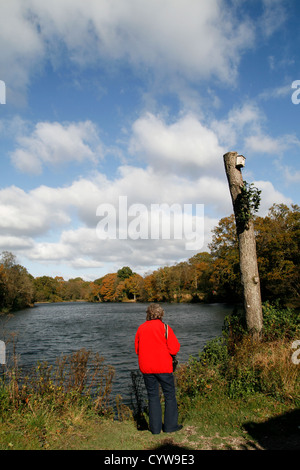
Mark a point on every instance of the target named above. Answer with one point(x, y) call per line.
point(136, 342)
point(172, 342)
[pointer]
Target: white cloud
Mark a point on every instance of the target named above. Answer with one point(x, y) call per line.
point(244, 127)
point(82, 249)
point(21, 48)
point(270, 196)
point(56, 144)
point(23, 214)
point(11, 243)
point(187, 38)
point(275, 146)
point(276, 93)
point(185, 145)
point(274, 15)
point(50, 252)
point(240, 121)
point(292, 176)
point(46, 212)
point(263, 144)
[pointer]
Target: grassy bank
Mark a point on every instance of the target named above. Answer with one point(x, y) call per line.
point(237, 394)
point(254, 423)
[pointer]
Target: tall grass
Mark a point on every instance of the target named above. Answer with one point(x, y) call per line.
point(265, 368)
point(40, 405)
point(236, 366)
point(81, 377)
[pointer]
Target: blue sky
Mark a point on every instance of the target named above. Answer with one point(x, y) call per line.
point(136, 98)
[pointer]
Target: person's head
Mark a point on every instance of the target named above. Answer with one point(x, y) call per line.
point(155, 312)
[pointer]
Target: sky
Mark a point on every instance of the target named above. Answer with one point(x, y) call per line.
point(111, 109)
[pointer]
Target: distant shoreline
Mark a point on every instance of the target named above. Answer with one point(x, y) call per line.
point(84, 301)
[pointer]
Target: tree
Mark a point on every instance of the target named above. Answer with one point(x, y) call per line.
point(278, 251)
point(2, 285)
point(74, 289)
point(225, 271)
point(277, 246)
point(124, 273)
point(93, 293)
point(134, 286)
point(244, 202)
point(16, 284)
point(46, 289)
point(108, 287)
point(150, 288)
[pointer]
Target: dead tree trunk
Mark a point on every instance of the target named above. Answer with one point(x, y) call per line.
point(247, 249)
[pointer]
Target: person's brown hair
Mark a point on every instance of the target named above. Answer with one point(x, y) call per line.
point(154, 312)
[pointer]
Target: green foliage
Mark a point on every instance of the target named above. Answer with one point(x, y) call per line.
point(234, 328)
point(278, 253)
point(215, 353)
point(243, 367)
point(125, 273)
point(16, 284)
point(192, 380)
point(5, 404)
point(279, 323)
point(243, 382)
point(247, 204)
point(278, 256)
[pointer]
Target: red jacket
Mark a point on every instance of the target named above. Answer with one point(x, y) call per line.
point(153, 349)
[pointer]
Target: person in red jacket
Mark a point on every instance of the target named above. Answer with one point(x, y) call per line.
point(155, 350)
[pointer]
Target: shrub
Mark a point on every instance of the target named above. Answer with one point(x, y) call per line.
point(264, 367)
point(243, 366)
point(81, 377)
point(191, 378)
point(215, 353)
point(280, 323)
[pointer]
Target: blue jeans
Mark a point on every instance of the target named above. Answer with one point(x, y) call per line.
point(166, 381)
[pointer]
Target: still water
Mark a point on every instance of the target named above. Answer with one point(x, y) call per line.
point(49, 331)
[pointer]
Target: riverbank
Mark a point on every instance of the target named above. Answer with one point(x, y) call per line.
point(217, 413)
point(238, 394)
point(217, 423)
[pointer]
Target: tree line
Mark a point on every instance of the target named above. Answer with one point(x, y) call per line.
point(212, 276)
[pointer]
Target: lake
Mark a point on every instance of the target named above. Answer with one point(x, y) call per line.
point(48, 331)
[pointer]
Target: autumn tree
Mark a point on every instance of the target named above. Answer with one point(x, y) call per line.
point(130, 288)
point(200, 273)
point(75, 289)
point(108, 287)
point(134, 286)
point(150, 293)
point(93, 293)
point(46, 288)
point(2, 285)
point(278, 251)
point(16, 284)
point(277, 245)
point(225, 272)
